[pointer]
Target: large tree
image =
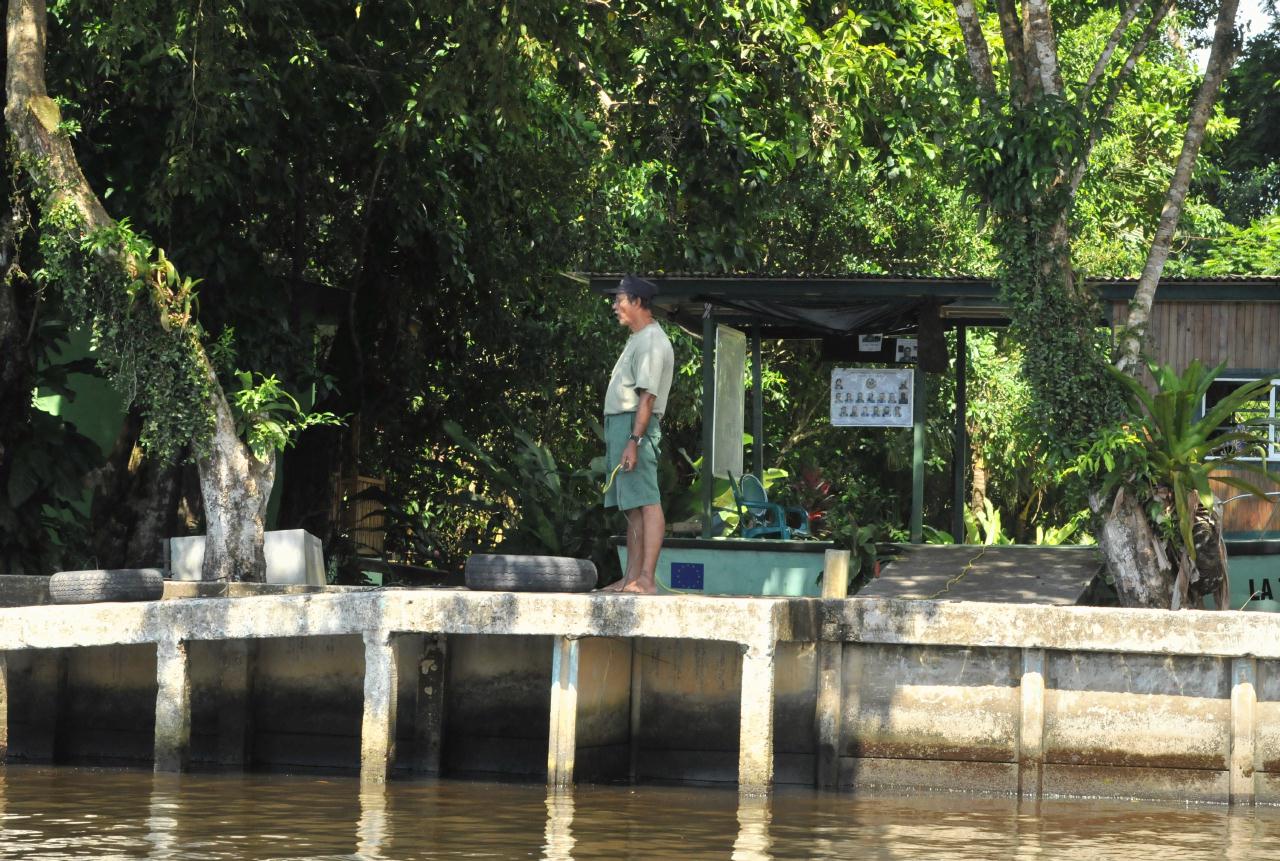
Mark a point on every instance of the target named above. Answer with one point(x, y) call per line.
point(140, 310)
point(1035, 133)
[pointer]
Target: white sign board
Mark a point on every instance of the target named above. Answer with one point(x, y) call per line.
point(872, 397)
point(730, 402)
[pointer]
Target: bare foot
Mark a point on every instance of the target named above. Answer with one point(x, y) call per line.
point(615, 586)
point(640, 587)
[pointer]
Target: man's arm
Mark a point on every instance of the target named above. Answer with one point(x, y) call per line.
point(644, 412)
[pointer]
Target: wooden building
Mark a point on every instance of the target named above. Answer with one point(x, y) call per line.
point(1231, 320)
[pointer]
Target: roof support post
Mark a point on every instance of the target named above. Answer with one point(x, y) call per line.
point(708, 413)
point(917, 456)
point(960, 447)
point(757, 407)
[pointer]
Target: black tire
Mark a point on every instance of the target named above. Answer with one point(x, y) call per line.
point(505, 573)
point(99, 584)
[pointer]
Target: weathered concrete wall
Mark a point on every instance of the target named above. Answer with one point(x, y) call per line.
point(955, 695)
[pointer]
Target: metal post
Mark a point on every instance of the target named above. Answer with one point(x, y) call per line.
point(708, 413)
point(960, 447)
point(917, 457)
point(757, 406)
point(563, 741)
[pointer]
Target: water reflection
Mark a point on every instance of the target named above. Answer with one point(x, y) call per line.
point(163, 814)
point(372, 827)
point(558, 836)
point(61, 813)
point(754, 815)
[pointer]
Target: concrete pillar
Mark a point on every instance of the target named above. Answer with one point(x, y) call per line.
point(562, 741)
point(428, 708)
point(235, 685)
point(835, 574)
point(1031, 724)
point(378, 728)
point(1244, 702)
point(173, 706)
point(755, 733)
point(4, 707)
point(830, 660)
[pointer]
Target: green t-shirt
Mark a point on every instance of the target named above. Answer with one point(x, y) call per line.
point(646, 365)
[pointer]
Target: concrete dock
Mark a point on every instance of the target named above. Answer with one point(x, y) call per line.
point(945, 695)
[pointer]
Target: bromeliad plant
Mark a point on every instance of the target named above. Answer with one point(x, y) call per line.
point(1168, 452)
point(1181, 449)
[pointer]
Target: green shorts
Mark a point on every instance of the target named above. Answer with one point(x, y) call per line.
point(639, 486)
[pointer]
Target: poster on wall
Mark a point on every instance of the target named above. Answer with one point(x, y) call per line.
point(872, 397)
point(906, 350)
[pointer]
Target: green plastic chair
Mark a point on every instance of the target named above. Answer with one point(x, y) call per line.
point(761, 518)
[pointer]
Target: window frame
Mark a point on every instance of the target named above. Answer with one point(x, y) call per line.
point(1272, 432)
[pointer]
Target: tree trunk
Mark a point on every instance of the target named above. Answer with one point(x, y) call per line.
point(1134, 553)
point(135, 503)
point(236, 487)
point(1226, 45)
point(978, 489)
point(234, 484)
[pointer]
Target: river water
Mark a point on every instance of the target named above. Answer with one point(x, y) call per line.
point(66, 813)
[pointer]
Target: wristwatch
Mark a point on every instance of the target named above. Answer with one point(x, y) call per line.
point(634, 437)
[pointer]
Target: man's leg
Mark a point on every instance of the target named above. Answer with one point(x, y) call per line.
point(653, 525)
point(635, 550)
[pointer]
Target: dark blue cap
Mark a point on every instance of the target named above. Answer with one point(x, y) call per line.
point(635, 286)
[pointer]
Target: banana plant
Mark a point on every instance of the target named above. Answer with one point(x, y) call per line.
point(1182, 448)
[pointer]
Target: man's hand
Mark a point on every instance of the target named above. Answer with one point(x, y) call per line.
point(629, 455)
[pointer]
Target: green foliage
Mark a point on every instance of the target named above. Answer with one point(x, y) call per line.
point(140, 314)
point(861, 542)
point(267, 417)
point(1168, 451)
point(532, 503)
point(1248, 186)
point(41, 524)
point(985, 526)
point(1252, 250)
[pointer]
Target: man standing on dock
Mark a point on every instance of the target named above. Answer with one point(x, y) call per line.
point(633, 405)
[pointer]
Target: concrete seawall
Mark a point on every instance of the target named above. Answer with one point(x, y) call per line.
point(840, 693)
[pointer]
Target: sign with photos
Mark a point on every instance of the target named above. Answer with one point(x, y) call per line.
point(872, 397)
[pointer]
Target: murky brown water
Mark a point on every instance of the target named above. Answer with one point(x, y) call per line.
point(63, 813)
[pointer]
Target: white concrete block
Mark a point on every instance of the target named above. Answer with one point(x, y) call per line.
point(294, 557)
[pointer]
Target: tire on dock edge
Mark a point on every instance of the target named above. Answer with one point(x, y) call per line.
point(500, 572)
point(106, 584)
